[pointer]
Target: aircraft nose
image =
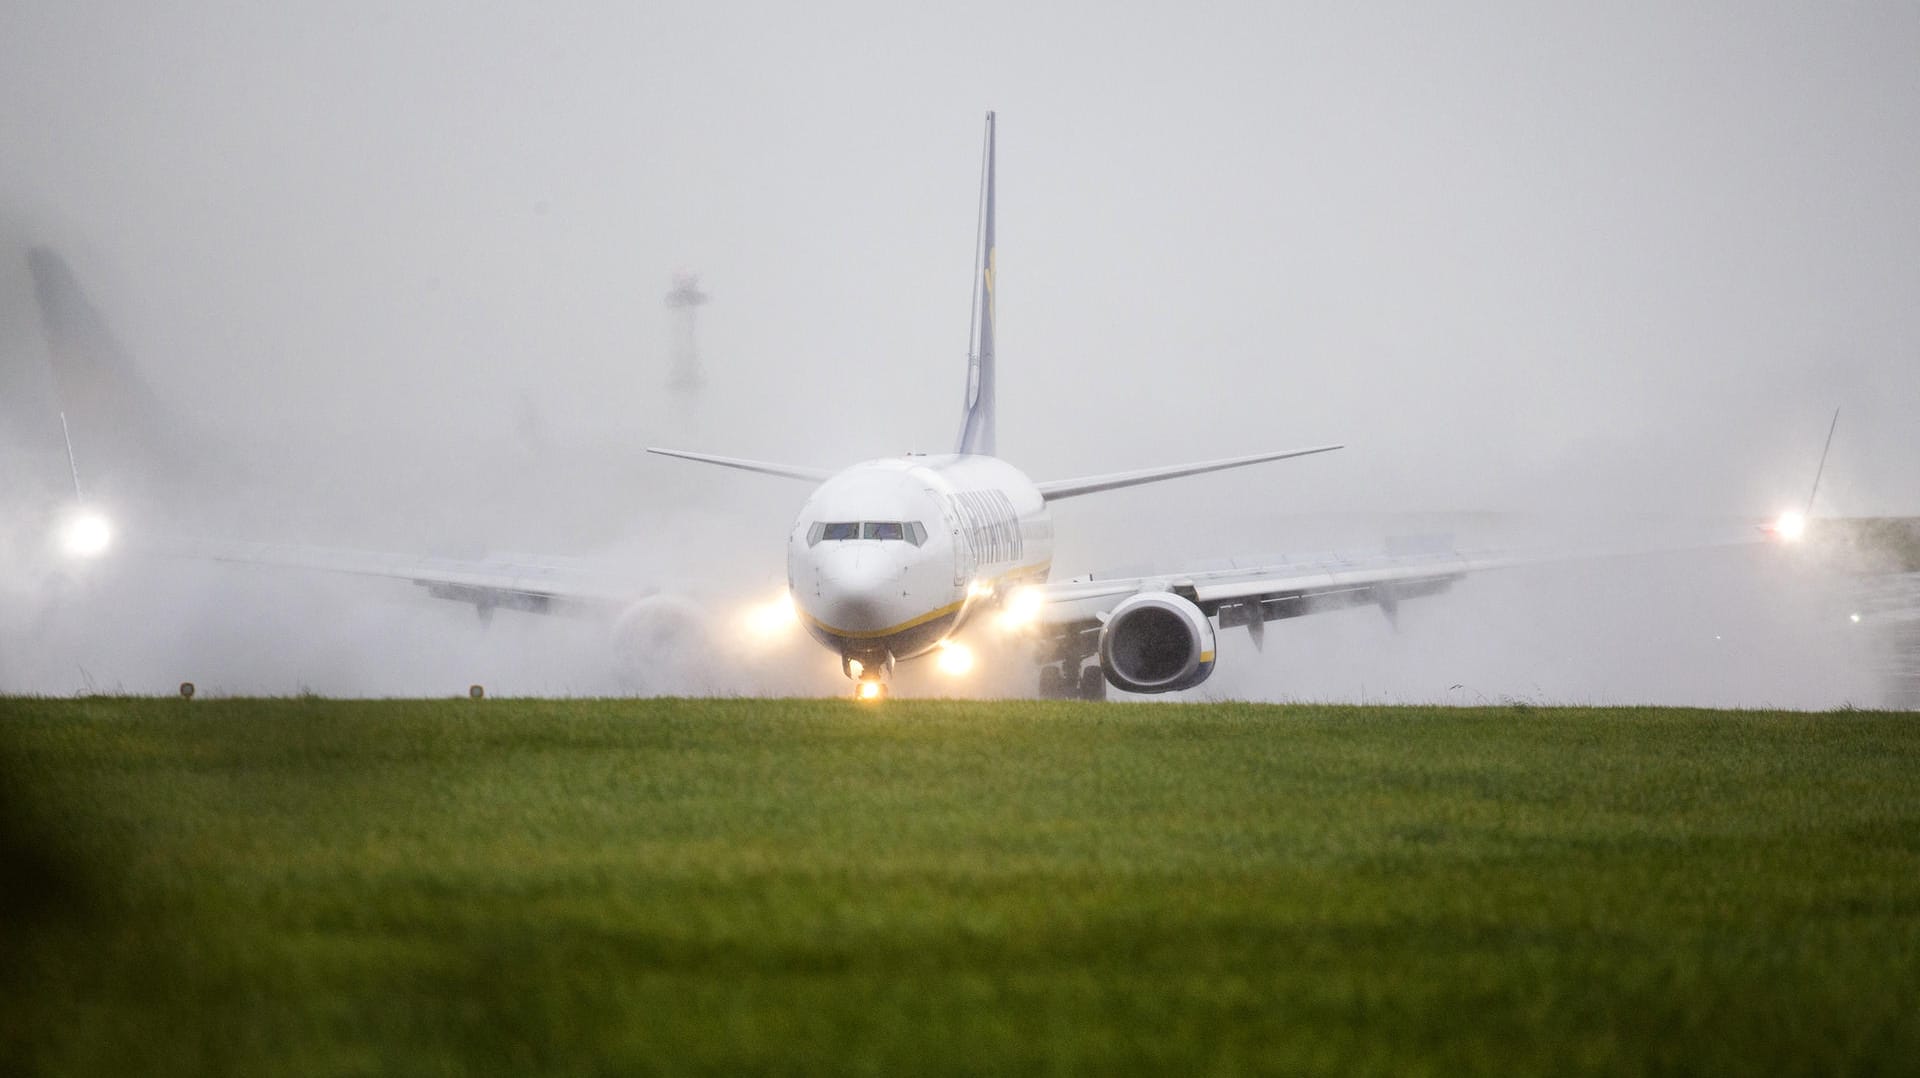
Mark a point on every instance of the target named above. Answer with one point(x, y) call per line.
point(856, 591)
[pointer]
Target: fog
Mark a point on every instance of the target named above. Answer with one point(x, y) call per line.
point(396, 278)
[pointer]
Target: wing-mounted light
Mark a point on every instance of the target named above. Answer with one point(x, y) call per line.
point(85, 533)
point(1020, 609)
point(954, 659)
point(772, 620)
point(1791, 526)
point(1788, 527)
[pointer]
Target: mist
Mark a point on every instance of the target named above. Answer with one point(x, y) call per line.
point(397, 279)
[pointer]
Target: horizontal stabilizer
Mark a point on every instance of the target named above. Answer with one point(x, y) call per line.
point(1093, 484)
point(787, 471)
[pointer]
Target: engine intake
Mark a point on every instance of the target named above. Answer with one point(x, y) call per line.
point(1154, 642)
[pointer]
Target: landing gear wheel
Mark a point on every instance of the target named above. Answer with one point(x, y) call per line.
point(1053, 683)
point(1093, 683)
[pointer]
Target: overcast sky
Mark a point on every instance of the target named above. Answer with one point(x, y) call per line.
point(1497, 249)
point(1519, 257)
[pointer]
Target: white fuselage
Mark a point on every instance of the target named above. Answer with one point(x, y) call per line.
point(891, 557)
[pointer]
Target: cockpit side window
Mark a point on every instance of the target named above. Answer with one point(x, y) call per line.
point(917, 533)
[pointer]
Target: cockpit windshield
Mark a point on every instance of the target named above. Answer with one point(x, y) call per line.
point(911, 531)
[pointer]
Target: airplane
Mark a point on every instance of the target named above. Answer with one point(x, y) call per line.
point(899, 559)
point(894, 559)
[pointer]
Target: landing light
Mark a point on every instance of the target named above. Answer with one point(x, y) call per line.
point(870, 690)
point(772, 619)
point(1020, 609)
point(1791, 526)
point(85, 534)
point(955, 658)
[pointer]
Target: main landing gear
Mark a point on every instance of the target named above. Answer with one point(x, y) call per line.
point(1089, 683)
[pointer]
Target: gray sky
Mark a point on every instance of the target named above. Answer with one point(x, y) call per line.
point(1497, 249)
point(1519, 257)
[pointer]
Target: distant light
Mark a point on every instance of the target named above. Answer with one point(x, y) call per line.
point(955, 658)
point(1791, 526)
point(1855, 618)
point(1021, 609)
point(773, 619)
point(86, 534)
point(869, 690)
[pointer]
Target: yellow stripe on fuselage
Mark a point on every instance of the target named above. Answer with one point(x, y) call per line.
point(1037, 569)
point(1041, 568)
point(875, 634)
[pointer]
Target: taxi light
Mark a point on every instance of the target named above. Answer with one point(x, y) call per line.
point(869, 690)
point(955, 658)
point(1792, 526)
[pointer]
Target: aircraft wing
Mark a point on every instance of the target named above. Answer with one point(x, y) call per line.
point(529, 583)
point(1295, 587)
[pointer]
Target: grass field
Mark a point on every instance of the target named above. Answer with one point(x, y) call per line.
point(628, 887)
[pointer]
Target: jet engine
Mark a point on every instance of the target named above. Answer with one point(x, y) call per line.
point(1156, 641)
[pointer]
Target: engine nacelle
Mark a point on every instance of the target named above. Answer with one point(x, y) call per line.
point(1156, 641)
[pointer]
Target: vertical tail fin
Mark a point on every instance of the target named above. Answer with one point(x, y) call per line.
point(976, 427)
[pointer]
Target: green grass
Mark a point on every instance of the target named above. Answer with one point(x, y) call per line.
point(631, 887)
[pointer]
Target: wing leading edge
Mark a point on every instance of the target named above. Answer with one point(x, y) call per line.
point(545, 585)
point(1056, 489)
point(1253, 596)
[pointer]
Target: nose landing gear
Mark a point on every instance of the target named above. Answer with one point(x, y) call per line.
point(869, 675)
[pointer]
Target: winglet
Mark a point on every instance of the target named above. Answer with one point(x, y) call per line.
point(105, 409)
point(1822, 469)
point(976, 425)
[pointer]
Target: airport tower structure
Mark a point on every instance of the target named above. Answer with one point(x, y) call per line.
point(685, 301)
